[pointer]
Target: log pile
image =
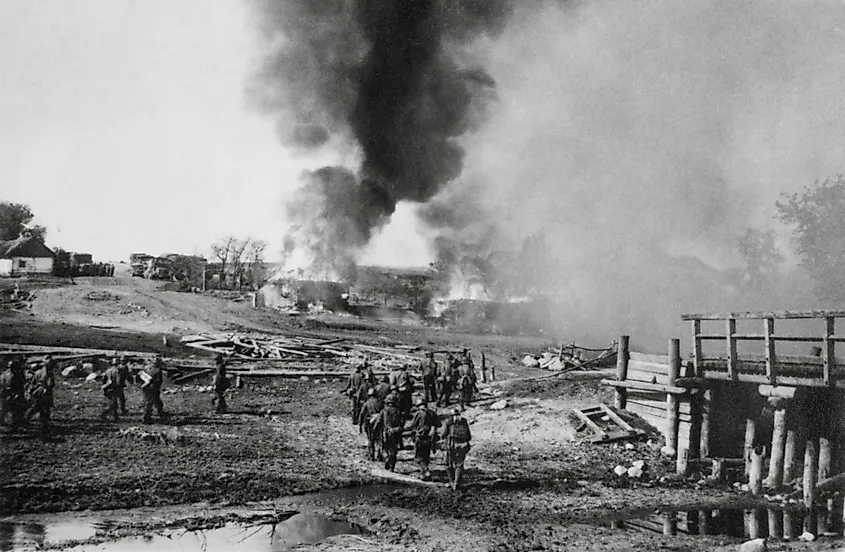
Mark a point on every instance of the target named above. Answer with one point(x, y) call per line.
point(301, 350)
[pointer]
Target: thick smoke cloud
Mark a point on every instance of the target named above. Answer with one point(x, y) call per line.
point(643, 138)
point(384, 79)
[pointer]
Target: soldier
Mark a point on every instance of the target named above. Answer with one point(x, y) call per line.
point(220, 384)
point(391, 421)
point(444, 379)
point(12, 389)
point(466, 384)
point(153, 378)
point(405, 385)
point(41, 386)
point(456, 436)
point(428, 368)
point(369, 420)
point(367, 372)
point(424, 429)
point(111, 390)
point(123, 379)
point(352, 385)
point(383, 388)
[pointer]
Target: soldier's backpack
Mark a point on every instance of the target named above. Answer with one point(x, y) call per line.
point(459, 432)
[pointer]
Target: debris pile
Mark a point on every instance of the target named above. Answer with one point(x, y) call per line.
point(300, 348)
point(571, 357)
point(16, 300)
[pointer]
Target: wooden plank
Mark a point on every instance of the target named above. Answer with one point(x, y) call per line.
point(615, 417)
point(731, 342)
point(696, 347)
point(829, 351)
point(783, 315)
point(659, 411)
point(630, 384)
point(771, 359)
point(401, 478)
point(622, 360)
point(652, 367)
point(649, 377)
point(590, 423)
point(782, 380)
point(684, 406)
point(655, 359)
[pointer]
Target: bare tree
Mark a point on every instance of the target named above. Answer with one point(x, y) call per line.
point(239, 259)
point(223, 251)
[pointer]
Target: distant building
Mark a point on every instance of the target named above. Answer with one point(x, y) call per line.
point(25, 255)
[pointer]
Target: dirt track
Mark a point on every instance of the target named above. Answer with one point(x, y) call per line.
point(532, 481)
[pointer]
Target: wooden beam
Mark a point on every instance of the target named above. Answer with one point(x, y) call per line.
point(671, 398)
point(780, 391)
point(771, 359)
point(622, 371)
point(730, 328)
point(696, 347)
point(829, 351)
point(783, 315)
point(645, 386)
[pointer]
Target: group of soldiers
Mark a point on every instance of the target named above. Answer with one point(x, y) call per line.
point(23, 394)
point(384, 409)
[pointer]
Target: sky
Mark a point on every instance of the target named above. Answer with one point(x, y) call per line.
point(125, 126)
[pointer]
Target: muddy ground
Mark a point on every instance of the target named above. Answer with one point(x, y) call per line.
point(533, 481)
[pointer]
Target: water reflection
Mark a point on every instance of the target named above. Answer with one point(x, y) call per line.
point(751, 523)
point(303, 528)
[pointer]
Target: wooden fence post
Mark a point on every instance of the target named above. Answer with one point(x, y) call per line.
point(829, 350)
point(671, 398)
point(730, 331)
point(755, 475)
point(622, 356)
point(794, 447)
point(696, 348)
point(771, 357)
point(752, 413)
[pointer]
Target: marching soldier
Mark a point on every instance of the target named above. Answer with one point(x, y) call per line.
point(424, 429)
point(444, 379)
point(221, 384)
point(383, 388)
point(352, 385)
point(405, 385)
point(41, 386)
point(428, 367)
point(123, 379)
point(392, 422)
point(456, 437)
point(466, 384)
point(111, 391)
point(369, 421)
point(153, 378)
point(12, 388)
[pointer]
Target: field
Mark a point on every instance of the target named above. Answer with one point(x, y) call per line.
point(533, 482)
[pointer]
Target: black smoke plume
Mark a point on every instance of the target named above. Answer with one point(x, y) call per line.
point(390, 82)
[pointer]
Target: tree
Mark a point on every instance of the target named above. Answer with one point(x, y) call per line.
point(223, 251)
point(818, 216)
point(61, 264)
point(761, 255)
point(16, 218)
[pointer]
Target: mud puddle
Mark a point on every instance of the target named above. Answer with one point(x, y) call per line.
point(301, 528)
point(751, 522)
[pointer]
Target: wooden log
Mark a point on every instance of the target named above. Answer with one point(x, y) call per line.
point(682, 462)
point(670, 524)
point(751, 415)
point(718, 473)
point(771, 358)
point(696, 348)
point(705, 402)
point(789, 532)
point(825, 425)
point(755, 474)
point(829, 351)
point(811, 467)
point(776, 457)
point(775, 523)
point(186, 377)
point(293, 374)
point(781, 391)
point(404, 479)
point(705, 517)
point(630, 384)
point(620, 393)
point(733, 370)
point(793, 448)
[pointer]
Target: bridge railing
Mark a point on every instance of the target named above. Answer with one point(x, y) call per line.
point(822, 370)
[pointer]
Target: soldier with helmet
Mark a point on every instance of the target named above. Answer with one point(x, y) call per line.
point(369, 421)
point(428, 368)
point(393, 424)
point(41, 386)
point(424, 430)
point(456, 439)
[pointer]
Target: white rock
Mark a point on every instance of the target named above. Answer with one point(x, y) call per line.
point(639, 464)
point(499, 405)
point(806, 536)
point(620, 470)
point(629, 446)
point(605, 418)
point(91, 377)
point(667, 451)
point(530, 362)
point(754, 545)
point(635, 471)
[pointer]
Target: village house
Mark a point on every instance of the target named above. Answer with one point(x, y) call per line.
point(25, 255)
